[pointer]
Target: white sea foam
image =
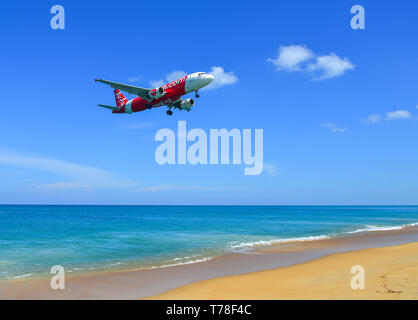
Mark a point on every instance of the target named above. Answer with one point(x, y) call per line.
point(266, 243)
point(204, 259)
point(113, 264)
point(372, 228)
point(75, 269)
point(183, 258)
point(243, 247)
point(22, 276)
point(412, 224)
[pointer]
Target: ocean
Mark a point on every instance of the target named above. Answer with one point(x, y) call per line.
point(87, 239)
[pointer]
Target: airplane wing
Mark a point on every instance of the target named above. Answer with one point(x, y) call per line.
point(109, 107)
point(140, 92)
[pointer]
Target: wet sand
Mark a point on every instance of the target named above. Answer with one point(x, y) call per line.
point(145, 283)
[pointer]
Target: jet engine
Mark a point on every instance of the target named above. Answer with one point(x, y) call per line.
point(157, 93)
point(187, 104)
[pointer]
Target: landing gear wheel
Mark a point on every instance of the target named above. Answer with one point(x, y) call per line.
point(169, 112)
point(196, 94)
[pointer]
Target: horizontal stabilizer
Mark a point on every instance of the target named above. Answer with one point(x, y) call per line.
point(109, 107)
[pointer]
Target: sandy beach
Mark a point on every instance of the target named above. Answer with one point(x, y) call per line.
point(302, 270)
point(390, 273)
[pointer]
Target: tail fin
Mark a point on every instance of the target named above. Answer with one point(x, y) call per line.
point(120, 98)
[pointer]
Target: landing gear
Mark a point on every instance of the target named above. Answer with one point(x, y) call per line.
point(196, 94)
point(169, 112)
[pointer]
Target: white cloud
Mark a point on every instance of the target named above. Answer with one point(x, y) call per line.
point(80, 176)
point(330, 66)
point(398, 114)
point(168, 78)
point(157, 83)
point(389, 116)
point(163, 187)
point(373, 118)
point(333, 127)
point(221, 78)
point(300, 58)
point(64, 186)
point(134, 78)
point(173, 187)
point(270, 169)
point(175, 75)
point(291, 57)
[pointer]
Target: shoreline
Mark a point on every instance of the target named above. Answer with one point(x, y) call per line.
point(143, 283)
point(261, 246)
point(390, 273)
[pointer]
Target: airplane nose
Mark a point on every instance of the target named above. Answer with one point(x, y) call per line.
point(207, 78)
point(202, 80)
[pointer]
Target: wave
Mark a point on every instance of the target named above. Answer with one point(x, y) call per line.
point(240, 246)
point(75, 269)
point(22, 276)
point(372, 228)
point(204, 259)
point(245, 247)
point(265, 243)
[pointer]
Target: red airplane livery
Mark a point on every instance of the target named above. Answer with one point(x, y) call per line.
point(168, 95)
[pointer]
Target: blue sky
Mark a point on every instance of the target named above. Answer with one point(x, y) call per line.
point(338, 106)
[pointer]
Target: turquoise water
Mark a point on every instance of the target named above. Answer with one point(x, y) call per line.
point(96, 238)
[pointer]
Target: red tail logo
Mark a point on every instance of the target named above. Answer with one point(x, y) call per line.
point(120, 98)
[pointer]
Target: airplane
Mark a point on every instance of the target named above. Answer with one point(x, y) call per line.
point(168, 95)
